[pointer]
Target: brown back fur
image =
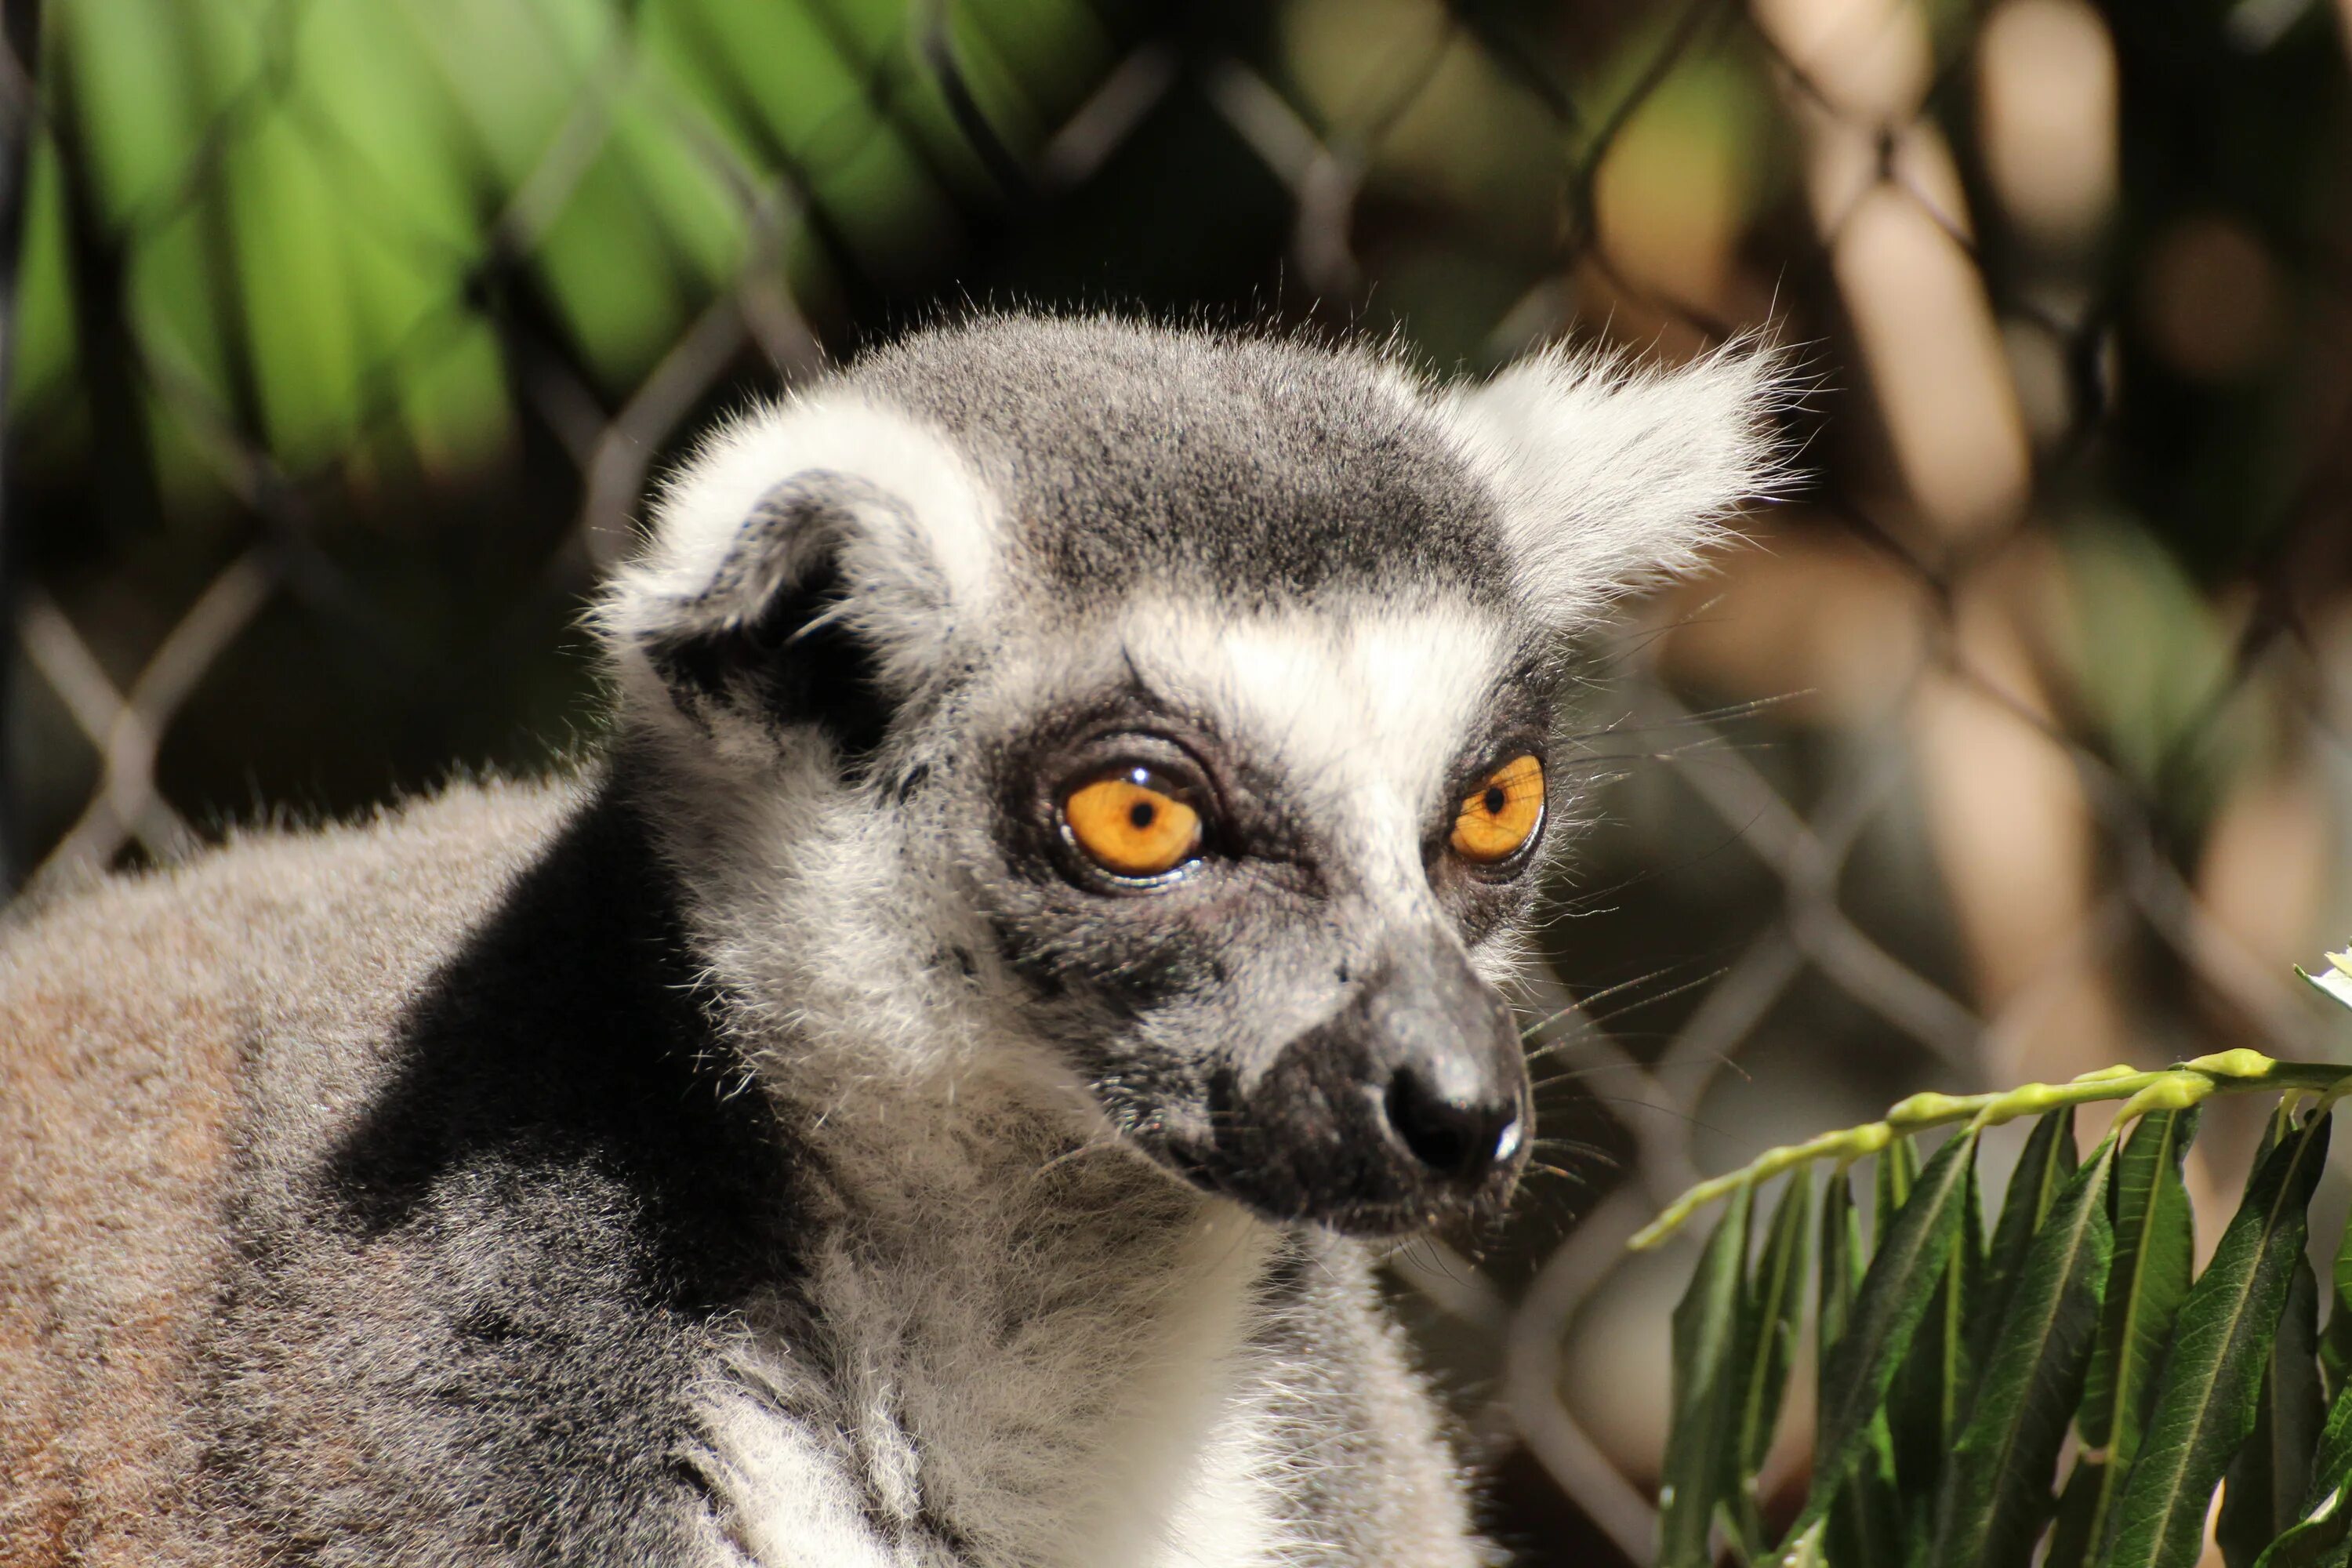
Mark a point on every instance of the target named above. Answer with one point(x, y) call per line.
point(165, 1040)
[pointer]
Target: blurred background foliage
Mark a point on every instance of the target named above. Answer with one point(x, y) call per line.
point(345, 340)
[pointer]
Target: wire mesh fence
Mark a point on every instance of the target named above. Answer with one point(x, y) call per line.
point(345, 344)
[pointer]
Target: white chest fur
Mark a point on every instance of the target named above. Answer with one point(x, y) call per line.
point(1068, 1382)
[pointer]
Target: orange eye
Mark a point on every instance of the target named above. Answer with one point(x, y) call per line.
point(1498, 817)
point(1130, 827)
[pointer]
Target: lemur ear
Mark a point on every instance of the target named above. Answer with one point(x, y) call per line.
point(809, 566)
point(1613, 475)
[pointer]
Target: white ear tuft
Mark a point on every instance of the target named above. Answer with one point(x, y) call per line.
point(829, 541)
point(1613, 475)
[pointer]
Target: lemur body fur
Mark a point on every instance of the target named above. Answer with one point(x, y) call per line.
point(779, 1143)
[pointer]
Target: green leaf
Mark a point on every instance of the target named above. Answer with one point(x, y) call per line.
point(2153, 1257)
point(1769, 1324)
point(1776, 1305)
point(1866, 1523)
point(1897, 1291)
point(2323, 1528)
point(2042, 1170)
point(1698, 1468)
point(1866, 1518)
point(1927, 1402)
point(2263, 1496)
point(1842, 1259)
point(2204, 1402)
point(1996, 1489)
point(2336, 1346)
point(2080, 1509)
point(1897, 1169)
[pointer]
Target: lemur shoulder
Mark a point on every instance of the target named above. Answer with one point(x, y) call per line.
point(925, 1094)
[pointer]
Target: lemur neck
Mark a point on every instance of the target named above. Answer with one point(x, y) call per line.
point(1062, 1334)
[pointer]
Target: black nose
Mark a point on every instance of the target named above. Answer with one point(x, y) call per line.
point(1460, 1137)
point(1408, 1104)
point(1445, 1067)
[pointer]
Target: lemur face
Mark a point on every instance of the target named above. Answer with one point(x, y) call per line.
point(1161, 721)
point(1248, 864)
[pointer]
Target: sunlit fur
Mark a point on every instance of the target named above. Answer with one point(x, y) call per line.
point(1612, 474)
point(765, 1146)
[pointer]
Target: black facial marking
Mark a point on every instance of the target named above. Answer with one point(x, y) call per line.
point(1121, 972)
point(1522, 713)
point(1246, 817)
point(1106, 952)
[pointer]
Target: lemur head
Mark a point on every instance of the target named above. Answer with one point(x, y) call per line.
point(1163, 722)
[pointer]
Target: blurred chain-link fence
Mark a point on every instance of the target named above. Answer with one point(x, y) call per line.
point(343, 342)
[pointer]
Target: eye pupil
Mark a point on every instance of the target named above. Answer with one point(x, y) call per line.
point(1128, 824)
point(1502, 814)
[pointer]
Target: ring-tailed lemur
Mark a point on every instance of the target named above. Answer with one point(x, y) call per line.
point(915, 1097)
